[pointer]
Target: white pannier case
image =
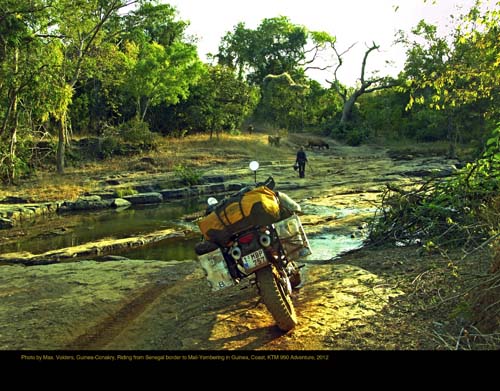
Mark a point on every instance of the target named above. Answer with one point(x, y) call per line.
point(215, 267)
point(293, 238)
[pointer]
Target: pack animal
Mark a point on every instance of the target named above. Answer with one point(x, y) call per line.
point(320, 144)
point(274, 140)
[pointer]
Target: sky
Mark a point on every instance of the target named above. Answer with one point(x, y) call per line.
point(351, 21)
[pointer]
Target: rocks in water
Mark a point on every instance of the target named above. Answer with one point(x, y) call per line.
point(6, 223)
point(120, 203)
point(14, 213)
point(14, 200)
point(86, 203)
point(144, 198)
point(101, 247)
point(105, 195)
point(172, 194)
point(143, 189)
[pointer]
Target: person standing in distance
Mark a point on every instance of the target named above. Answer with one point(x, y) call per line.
point(301, 161)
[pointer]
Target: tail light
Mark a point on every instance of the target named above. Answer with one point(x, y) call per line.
point(245, 239)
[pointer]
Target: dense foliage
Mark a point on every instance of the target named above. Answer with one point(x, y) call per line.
point(94, 68)
point(457, 82)
point(460, 211)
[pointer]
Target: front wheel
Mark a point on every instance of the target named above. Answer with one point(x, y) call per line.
point(276, 298)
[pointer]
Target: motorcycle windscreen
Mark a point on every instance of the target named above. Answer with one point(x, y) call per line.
point(293, 238)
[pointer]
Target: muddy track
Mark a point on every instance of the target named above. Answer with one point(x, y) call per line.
point(111, 326)
point(187, 316)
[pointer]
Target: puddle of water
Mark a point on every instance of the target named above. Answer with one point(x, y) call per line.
point(339, 213)
point(180, 250)
point(327, 248)
point(93, 226)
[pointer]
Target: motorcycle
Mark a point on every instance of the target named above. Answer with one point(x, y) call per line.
point(265, 247)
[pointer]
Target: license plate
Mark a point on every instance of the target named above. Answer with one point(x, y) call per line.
point(254, 260)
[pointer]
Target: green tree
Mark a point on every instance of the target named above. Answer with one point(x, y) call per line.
point(219, 102)
point(276, 56)
point(79, 28)
point(160, 74)
point(275, 47)
point(162, 64)
point(283, 101)
point(98, 99)
point(26, 62)
point(458, 74)
point(144, 45)
point(149, 23)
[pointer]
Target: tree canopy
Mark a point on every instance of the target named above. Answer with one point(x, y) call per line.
point(89, 67)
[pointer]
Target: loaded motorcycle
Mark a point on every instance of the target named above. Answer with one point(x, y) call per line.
point(255, 233)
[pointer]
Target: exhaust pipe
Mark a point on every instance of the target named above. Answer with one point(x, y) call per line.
point(236, 253)
point(265, 240)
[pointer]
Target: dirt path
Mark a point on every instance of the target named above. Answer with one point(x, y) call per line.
point(148, 305)
point(186, 316)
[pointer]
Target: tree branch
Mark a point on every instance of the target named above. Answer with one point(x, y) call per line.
point(319, 68)
point(382, 87)
point(115, 5)
point(341, 90)
point(50, 36)
point(363, 67)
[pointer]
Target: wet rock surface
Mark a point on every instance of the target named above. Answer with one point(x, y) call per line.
point(91, 249)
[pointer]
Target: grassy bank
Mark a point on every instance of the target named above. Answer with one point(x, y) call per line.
point(196, 152)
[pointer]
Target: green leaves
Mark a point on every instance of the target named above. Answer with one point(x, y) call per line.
point(449, 211)
point(162, 70)
point(460, 69)
point(220, 101)
point(322, 38)
point(276, 46)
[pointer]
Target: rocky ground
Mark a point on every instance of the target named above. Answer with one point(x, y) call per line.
point(366, 299)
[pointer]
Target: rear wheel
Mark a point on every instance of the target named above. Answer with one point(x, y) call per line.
point(276, 298)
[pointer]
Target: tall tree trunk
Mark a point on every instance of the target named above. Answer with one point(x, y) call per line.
point(367, 85)
point(347, 110)
point(61, 145)
point(13, 132)
point(7, 113)
point(146, 106)
point(452, 139)
point(138, 109)
point(13, 142)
